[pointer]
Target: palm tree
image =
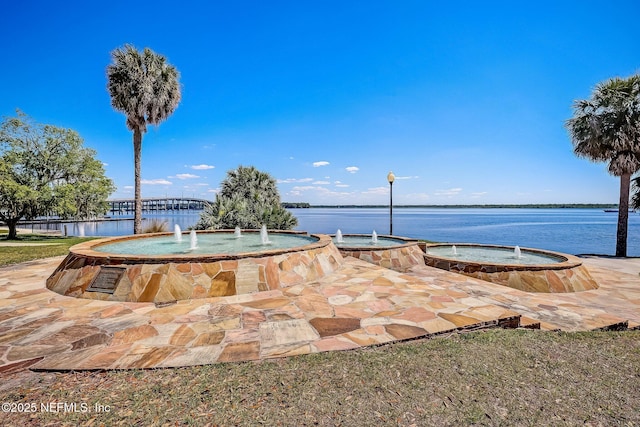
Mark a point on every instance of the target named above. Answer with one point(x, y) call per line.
point(145, 88)
point(606, 128)
point(248, 198)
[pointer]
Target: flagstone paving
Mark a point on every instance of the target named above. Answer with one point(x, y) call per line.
point(358, 305)
point(614, 305)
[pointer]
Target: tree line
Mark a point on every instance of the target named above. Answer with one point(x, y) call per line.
point(46, 170)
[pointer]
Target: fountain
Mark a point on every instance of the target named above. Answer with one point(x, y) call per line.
point(193, 239)
point(530, 270)
point(177, 233)
point(237, 232)
point(156, 268)
point(394, 252)
point(264, 236)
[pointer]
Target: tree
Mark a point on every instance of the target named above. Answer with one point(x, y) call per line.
point(248, 198)
point(145, 88)
point(606, 128)
point(45, 169)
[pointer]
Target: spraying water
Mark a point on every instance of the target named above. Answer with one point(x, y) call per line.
point(193, 240)
point(177, 233)
point(374, 237)
point(517, 252)
point(339, 237)
point(454, 250)
point(237, 233)
point(264, 236)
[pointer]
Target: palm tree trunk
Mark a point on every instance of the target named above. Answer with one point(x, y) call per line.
point(137, 151)
point(623, 216)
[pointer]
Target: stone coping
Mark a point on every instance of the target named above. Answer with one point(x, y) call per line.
point(86, 249)
point(566, 261)
point(400, 257)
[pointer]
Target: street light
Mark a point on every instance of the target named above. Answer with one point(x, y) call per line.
point(391, 177)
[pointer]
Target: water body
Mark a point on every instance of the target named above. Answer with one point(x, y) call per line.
point(573, 231)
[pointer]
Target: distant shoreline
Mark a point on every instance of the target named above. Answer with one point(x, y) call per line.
point(496, 206)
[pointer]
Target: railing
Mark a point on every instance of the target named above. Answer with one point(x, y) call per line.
point(158, 204)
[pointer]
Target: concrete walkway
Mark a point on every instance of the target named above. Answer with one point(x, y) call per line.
point(359, 305)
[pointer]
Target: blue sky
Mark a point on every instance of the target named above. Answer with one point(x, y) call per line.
point(465, 100)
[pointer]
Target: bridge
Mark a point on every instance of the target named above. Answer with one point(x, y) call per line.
point(158, 204)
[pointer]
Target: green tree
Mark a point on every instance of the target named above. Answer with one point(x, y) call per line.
point(145, 87)
point(45, 169)
point(606, 128)
point(248, 198)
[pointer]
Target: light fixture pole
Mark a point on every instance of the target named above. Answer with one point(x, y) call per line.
point(391, 177)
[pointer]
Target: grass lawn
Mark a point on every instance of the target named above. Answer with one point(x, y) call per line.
point(55, 245)
point(497, 377)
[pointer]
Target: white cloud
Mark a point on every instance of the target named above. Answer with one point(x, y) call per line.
point(352, 169)
point(318, 191)
point(156, 182)
point(290, 180)
point(377, 190)
point(412, 198)
point(448, 193)
point(321, 163)
point(186, 176)
point(303, 188)
point(407, 177)
point(202, 167)
point(321, 183)
point(478, 195)
point(128, 187)
point(342, 185)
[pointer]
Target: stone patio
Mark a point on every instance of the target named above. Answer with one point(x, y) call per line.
point(359, 304)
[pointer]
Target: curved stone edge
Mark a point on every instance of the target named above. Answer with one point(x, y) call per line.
point(399, 258)
point(568, 275)
point(196, 277)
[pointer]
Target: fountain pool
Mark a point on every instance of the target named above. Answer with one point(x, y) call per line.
point(531, 270)
point(164, 267)
point(207, 243)
point(394, 252)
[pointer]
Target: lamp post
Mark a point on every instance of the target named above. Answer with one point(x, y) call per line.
point(391, 177)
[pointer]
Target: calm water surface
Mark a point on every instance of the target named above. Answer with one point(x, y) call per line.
point(574, 231)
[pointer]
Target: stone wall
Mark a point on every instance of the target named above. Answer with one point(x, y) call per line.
point(566, 276)
point(400, 258)
point(143, 280)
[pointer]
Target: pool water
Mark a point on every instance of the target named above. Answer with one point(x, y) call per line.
point(492, 255)
point(366, 242)
point(207, 243)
